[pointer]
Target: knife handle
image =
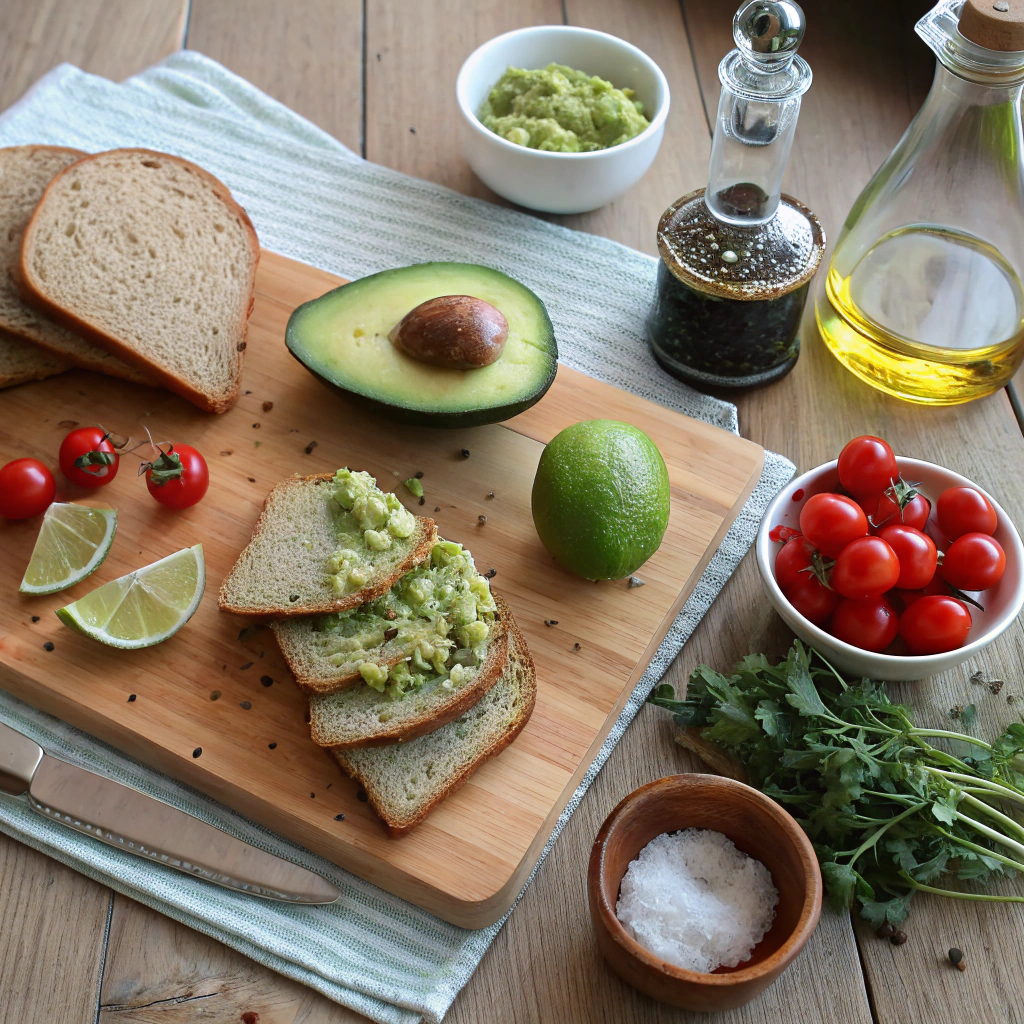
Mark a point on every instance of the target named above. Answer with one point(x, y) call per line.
point(19, 759)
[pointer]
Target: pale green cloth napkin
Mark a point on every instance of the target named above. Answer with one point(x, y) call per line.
point(314, 200)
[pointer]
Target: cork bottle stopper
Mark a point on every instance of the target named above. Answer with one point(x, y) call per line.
point(994, 24)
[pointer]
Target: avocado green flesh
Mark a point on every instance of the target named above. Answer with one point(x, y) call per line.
point(342, 337)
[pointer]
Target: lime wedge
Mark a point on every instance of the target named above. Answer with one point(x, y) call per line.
point(72, 542)
point(144, 607)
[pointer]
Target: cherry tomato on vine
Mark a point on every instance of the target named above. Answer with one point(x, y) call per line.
point(961, 510)
point(935, 624)
point(916, 553)
point(179, 477)
point(831, 521)
point(812, 599)
point(867, 466)
point(887, 512)
point(871, 624)
point(974, 561)
point(793, 559)
point(87, 457)
point(26, 489)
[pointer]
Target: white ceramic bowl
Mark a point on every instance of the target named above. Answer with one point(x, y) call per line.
point(560, 182)
point(1002, 602)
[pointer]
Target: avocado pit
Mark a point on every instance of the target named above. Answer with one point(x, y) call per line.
point(459, 332)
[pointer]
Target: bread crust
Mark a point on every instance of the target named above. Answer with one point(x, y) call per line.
point(419, 554)
point(33, 292)
point(468, 695)
point(518, 651)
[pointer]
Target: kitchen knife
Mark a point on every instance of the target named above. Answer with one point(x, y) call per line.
point(136, 823)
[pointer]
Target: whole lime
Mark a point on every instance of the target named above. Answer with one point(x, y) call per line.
point(601, 498)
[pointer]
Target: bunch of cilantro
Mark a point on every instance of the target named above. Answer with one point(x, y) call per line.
point(889, 814)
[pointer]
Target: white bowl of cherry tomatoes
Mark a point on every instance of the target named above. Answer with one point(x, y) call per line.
point(892, 568)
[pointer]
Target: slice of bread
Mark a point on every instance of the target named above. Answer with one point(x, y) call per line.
point(362, 717)
point(406, 781)
point(283, 569)
point(149, 256)
point(25, 171)
point(21, 361)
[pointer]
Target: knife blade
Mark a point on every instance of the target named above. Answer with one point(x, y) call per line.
point(137, 823)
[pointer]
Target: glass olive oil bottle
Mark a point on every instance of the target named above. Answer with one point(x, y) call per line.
point(923, 298)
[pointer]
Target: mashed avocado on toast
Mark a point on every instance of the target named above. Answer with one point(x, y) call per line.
point(369, 522)
point(431, 628)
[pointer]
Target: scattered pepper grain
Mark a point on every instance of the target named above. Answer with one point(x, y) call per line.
point(267, 406)
point(197, 751)
point(465, 453)
point(131, 698)
point(272, 746)
point(48, 646)
point(35, 618)
point(245, 704)
point(339, 817)
point(215, 695)
point(248, 664)
point(267, 680)
point(309, 447)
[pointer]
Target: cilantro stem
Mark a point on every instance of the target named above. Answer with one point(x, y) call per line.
point(945, 734)
point(981, 897)
point(1005, 820)
point(994, 834)
point(983, 850)
point(878, 833)
point(997, 788)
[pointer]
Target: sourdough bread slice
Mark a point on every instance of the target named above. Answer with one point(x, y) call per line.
point(283, 569)
point(362, 717)
point(406, 781)
point(25, 171)
point(328, 653)
point(21, 361)
point(149, 256)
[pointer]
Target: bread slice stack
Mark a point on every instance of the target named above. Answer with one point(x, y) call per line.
point(408, 748)
point(131, 263)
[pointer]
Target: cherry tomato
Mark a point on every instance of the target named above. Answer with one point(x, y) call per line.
point(867, 466)
point(866, 567)
point(26, 489)
point(811, 599)
point(831, 521)
point(887, 511)
point(935, 624)
point(974, 561)
point(87, 457)
point(871, 624)
point(179, 477)
point(793, 558)
point(961, 510)
point(916, 553)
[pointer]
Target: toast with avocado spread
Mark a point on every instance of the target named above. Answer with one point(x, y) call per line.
point(406, 781)
point(325, 543)
point(440, 612)
point(363, 716)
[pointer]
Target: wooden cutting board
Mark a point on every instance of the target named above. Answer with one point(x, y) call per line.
point(591, 642)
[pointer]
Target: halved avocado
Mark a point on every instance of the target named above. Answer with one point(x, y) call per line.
point(342, 338)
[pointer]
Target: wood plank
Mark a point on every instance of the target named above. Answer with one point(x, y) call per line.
point(305, 54)
point(413, 54)
point(869, 81)
point(160, 972)
point(468, 861)
point(114, 38)
point(52, 927)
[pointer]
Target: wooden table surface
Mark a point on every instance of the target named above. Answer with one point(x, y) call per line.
point(379, 75)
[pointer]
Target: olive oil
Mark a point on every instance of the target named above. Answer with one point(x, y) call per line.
point(928, 314)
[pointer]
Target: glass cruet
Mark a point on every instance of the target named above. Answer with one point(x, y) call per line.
point(923, 298)
point(738, 256)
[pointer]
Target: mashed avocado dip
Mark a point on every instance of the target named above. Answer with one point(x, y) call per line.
point(560, 110)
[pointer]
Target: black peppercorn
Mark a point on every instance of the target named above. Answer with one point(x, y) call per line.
point(131, 698)
point(267, 680)
point(885, 931)
point(48, 646)
point(898, 938)
point(339, 817)
point(465, 453)
point(245, 704)
point(272, 746)
point(197, 751)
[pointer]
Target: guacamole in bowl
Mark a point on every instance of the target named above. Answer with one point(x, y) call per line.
point(558, 109)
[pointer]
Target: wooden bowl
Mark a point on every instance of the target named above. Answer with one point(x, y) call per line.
point(760, 828)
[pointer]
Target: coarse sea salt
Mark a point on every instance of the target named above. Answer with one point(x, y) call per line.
point(696, 901)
